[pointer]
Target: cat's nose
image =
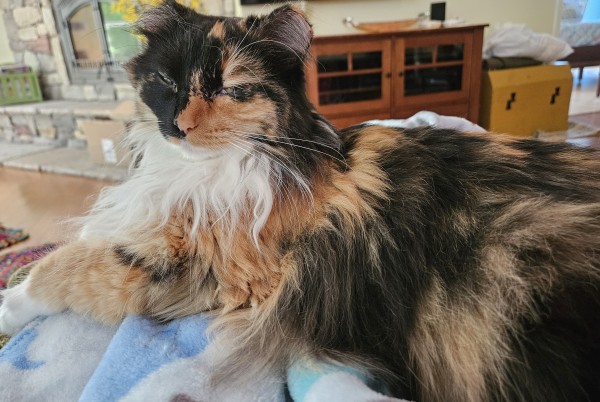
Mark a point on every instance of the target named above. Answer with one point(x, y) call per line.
point(189, 118)
point(185, 125)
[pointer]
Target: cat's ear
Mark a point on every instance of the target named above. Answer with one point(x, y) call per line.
point(158, 19)
point(288, 28)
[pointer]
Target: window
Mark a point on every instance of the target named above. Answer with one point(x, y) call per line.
point(95, 40)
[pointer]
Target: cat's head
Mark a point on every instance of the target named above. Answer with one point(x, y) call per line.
point(215, 82)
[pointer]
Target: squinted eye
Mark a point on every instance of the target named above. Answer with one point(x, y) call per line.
point(221, 91)
point(168, 81)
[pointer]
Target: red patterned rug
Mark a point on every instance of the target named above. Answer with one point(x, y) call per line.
point(12, 261)
point(8, 236)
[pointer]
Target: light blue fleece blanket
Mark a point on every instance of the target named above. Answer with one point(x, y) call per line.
point(68, 357)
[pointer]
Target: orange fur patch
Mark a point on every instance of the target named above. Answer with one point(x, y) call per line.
point(240, 69)
point(225, 121)
point(217, 31)
point(246, 275)
point(87, 278)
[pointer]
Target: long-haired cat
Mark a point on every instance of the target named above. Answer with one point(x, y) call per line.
point(463, 267)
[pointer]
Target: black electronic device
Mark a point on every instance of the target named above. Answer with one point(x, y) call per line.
point(438, 11)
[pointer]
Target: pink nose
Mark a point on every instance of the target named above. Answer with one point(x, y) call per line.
point(190, 117)
point(185, 125)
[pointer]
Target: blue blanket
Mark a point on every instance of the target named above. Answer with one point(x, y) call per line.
point(68, 357)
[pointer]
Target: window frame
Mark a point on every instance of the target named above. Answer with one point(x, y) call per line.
point(110, 70)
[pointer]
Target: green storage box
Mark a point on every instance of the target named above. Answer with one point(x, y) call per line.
point(19, 87)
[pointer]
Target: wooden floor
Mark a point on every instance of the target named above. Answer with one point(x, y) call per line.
point(40, 203)
point(584, 107)
point(591, 120)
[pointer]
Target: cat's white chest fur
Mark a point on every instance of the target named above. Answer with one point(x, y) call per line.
point(225, 184)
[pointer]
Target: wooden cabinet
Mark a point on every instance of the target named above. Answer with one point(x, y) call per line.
point(354, 78)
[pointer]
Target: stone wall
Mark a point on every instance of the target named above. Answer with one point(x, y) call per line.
point(32, 34)
point(25, 126)
point(58, 122)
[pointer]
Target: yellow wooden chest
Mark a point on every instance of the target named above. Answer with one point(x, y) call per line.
point(521, 101)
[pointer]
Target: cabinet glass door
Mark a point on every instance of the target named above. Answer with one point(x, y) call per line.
point(349, 88)
point(433, 69)
point(351, 77)
point(431, 80)
point(433, 65)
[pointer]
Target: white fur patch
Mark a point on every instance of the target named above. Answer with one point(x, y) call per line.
point(219, 184)
point(18, 308)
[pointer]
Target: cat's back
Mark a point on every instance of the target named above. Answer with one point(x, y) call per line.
point(499, 238)
point(449, 164)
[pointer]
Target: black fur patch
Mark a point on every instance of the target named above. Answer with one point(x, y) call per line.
point(163, 271)
point(128, 258)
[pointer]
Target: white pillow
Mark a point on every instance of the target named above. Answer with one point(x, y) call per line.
point(517, 40)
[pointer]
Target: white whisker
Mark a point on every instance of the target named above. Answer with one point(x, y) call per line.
point(282, 142)
point(299, 180)
point(334, 149)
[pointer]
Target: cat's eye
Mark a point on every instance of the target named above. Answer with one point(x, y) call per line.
point(221, 91)
point(167, 81)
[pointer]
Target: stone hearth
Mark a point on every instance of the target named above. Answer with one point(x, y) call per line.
point(58, 122)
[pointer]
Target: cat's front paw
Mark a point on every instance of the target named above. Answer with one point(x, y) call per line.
point(18, 308)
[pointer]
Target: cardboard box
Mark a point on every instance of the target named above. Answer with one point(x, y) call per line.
point(521, 101)
point(104, 141)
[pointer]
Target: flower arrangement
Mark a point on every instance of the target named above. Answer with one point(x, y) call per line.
point(131, 9)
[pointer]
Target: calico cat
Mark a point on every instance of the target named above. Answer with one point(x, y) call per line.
point(461, 267)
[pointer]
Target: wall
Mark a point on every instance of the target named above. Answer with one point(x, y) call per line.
point(327, 16)
point(6, 55)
